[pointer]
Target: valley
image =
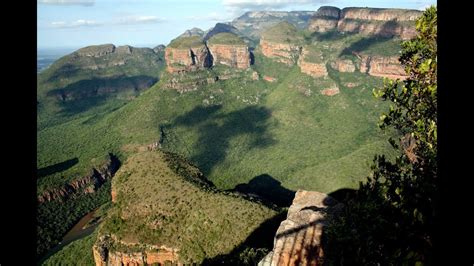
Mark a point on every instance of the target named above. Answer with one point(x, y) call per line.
point(185, 141)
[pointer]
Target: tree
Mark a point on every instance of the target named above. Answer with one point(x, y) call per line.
point(391, 219)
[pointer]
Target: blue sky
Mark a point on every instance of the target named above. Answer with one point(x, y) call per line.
point(78, 23)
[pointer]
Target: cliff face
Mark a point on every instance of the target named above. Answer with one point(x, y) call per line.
point(342, 65)
point(380, 66)
point(314, 68)
point(325, 19)
point(86, 184)
point(282, 52)
point(187, 59)
point(105, 256)
point(298, 239)
point(236, 56)
point(370, 21)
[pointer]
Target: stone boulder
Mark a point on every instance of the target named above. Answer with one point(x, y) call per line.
point(298, 239)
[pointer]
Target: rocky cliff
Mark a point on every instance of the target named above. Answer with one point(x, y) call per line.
point(105, 254)
point(187, 54)
point(282, 42)
point(230, 50)
point(87, 184)
point(325, 19)
point(152, 222)
point(311, 62)
point(370, 21)
point(298, 239)
point(380, 66)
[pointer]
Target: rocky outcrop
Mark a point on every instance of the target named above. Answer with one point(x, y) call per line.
point(159, 48)
point(96, 50)
point(343, 65)
point(330, 91)
point(87, 184)
point(187, 59)
point(380, 66)
point(286, 53)
point(312, 68)
point(325, 19)
point(298, 239)
point(237, 56)
point(105, 255)
point(385, 22)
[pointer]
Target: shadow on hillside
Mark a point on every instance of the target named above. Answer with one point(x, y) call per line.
point(297, 241)
point(332, 35)
point(56, 168)
point(344, 195)
point(83, 95)
point(268, 189)
point(260, 241)
point(216, 129)
point(65, 71)
point(387, 32)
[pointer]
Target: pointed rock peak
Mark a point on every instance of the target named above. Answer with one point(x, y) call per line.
point(192, 32)
point(221, 27)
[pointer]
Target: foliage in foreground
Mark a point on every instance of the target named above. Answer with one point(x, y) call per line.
point(391, 220)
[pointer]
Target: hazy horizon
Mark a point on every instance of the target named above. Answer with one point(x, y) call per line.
point(71, 24)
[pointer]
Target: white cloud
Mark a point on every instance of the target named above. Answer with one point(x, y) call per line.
point(67, 2)
point(75, 24)
point(133, 20)
point(213, 16)
point(268, 4)
point(128, 20)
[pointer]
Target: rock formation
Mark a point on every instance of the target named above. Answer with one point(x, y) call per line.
point(325, 19)
point(380, 66)
point(282, 43)
point(343, 65)
point(187, 54)
point(298, 239)
point(282, 52)
point(104, 255)
point(228, 49)
point(312, 63)
point(86, 184)
point(370, 21)
point(96, 50)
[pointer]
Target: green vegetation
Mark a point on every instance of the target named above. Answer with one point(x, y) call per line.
point(78, 252)
point(226, 38)
point(283, 32)
point(56, 218)
point(186, 42)
point(202, 224)
point(397, 207)
point(234, 130)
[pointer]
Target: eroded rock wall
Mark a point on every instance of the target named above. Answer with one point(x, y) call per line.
point(379, 66)
point(298, 239)
point(237, 56)
point(283, 52)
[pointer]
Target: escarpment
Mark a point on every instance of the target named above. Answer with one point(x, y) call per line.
point(187, 54)
point(228, 49)
point(298, 238)
point(87, 184)
point(152, 222)
point(312, 62)
point(282, 42)
point(369, 21)
point(380, 66)
point(325, 19)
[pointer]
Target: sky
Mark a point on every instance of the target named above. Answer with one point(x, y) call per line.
point(147, 23)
